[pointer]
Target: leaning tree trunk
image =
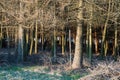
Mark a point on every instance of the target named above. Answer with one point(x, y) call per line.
point(104, 31)
point(77, 61)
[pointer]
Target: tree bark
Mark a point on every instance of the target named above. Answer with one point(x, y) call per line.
point(20, 44)
point(36, 38)
point(104, 31)
point(77, 61)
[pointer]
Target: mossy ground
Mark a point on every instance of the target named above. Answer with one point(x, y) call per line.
point(34, 73)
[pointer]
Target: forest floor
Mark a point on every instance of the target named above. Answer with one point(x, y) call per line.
point(100, 69)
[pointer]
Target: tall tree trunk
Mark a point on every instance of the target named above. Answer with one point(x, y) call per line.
point(20, 39)
point(26, 38)
point(77, 61)
point(1, 36)
point(36, 37)
point(115, 44)
point(1, 31)
point(63, 45)
point(36, 29)
point(20, 44)
point(31, 44)
point(90, 44)
point(90, 33)
point(104, 31)
point(70, 48)
point(87, 41)
point(96, 44)
point(54, 43)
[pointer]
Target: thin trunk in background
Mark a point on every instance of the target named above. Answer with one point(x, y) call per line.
point(63, 45)
point(96, 43)
point(32, 40)
point(36, 37)
point(36, 29)
point(87, 41)
point(1, 35)
point(70, 48)
point(115, 51)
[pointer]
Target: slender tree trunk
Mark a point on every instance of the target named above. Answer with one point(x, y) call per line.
point(70, 48)
point(54, 43)
point(1, 36)
point(31, 45)
point(36, 38)
point(115, 44)
point(1, 31)
point(90, 44)
point(26, 44)
point(42, 31)
point(106, 47)
point(96, 44)
point(87, 42)
point(77, 61)
point(104, 31)
point(63, 45)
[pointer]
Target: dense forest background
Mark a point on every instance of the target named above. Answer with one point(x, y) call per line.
point(72, 33)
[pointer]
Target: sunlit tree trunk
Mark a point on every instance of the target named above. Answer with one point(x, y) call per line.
point(115, 44)
point(90, 33)
point(36, 29)
point(36, 37)
point(31, 44)
point(20, 44)
point(104, 31)
point(63, 45)
point(77, 61)
point(20, 40)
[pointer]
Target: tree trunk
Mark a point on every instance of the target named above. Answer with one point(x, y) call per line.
point(70, 47)
point(20, 39)
point(36, 37)
point(115, 44)
point(104, 31)
point(54, 43)
point(1, 36)
point(20, 44)
point(96, 44)
point(63, 45)
point(77, 61)
point(90, 33)
point(78, 48)
point(90, 44)
point(87, 42)
point(31, 45)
